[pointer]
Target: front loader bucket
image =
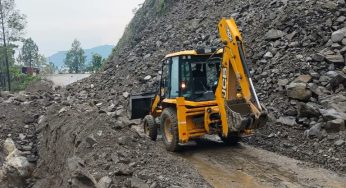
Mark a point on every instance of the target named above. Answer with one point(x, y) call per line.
point(140, 105)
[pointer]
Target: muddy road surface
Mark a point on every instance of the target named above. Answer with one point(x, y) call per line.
point(66, 79)
point(245, 166)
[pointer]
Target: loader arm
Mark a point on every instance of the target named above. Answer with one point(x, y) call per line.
point(235, 93)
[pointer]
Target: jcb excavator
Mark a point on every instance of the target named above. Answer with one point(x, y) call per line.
point(204, 91)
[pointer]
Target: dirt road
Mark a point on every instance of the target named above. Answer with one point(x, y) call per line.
point(66, 79)
point(244, 166)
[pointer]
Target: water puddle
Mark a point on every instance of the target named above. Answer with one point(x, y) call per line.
point(218, 177)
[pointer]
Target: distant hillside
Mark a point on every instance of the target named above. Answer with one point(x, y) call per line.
point(104, 51)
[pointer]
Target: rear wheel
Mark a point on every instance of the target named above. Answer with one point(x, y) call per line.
point(150, 128)
point(169, 129)
point(232, 139)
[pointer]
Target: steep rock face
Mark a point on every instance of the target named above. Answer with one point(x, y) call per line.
point(286, 42)
point(302, 29)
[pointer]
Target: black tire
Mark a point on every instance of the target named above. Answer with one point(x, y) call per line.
point(169, 129)
point(231, 140)
point(150, 128)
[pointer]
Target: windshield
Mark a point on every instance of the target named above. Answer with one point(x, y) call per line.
point(199, 77)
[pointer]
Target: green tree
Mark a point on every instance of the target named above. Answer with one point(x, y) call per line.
point(12, 24)
point(29, 54)
point(13, 21)
point(96, 62)
point(75, 58)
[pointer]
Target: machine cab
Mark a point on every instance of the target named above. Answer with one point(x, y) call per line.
point(190, 74)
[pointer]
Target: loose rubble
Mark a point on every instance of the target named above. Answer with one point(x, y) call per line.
point(81, 136)
point(19, 117)
point(296, 50)
point(63, 139)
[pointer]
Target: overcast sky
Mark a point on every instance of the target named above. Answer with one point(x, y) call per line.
point(54, 24)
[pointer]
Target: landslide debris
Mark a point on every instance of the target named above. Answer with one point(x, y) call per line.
point(296, 50)
point(20, 114)
point(83, 144)
point(59, 138)
point(84, 139)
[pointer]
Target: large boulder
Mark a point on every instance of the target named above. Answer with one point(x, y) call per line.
point(126, 94)
point(337, 102)
point(17, 165)
point(314, 131)
point(80, 177)
point(104, 182)
point(274, 34)
point(303, 79)
point(339, 78)
point(318, 57)
point(338, 36)
point(335, 125)
point(336, 59)
point(287, 120)
point(298, 91)
point(308, 110)
point(9, 146)
point(339, 142)
point(332, 114)
point(138, 183)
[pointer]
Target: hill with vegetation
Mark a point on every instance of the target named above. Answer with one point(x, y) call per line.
point(105, 50)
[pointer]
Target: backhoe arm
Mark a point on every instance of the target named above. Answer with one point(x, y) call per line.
point(239, 106)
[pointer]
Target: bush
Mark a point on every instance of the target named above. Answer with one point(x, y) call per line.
point(21, 81)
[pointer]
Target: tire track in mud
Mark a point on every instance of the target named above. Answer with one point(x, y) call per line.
point(244, 166)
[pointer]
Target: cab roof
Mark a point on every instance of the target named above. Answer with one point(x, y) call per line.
point(195, 52)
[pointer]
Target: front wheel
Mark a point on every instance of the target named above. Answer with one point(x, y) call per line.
point(150, 128)
point(169, 129)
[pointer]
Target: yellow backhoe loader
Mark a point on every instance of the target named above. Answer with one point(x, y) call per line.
point(204, 91)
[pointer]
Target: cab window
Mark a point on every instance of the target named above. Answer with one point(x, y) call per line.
point(174, 90)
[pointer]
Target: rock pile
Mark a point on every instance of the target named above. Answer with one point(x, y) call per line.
point(68, 139)
point(296, 49)
point(15, 168)
point(87, 142)
point(297, 53)
point(19, 117)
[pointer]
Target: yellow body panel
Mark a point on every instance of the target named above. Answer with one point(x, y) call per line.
point(155, 110)
point(186, 111)
point(182, 122)
point(191, 103)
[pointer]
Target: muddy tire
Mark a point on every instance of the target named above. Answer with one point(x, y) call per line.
point(150, 128)
point(169, 129)
point(231, 140)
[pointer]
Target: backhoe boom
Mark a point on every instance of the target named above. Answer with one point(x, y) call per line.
point(235, 83)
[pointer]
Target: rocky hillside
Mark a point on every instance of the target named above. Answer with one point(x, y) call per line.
point(80, 136)
point(296, 51)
